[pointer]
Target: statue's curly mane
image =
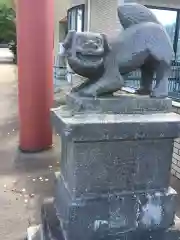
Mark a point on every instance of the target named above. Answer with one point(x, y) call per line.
point(133, 13)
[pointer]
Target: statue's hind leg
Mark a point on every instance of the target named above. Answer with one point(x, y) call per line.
point(162, 74)
point(147, 74)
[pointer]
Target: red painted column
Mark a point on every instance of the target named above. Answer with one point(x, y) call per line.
point(35, 72)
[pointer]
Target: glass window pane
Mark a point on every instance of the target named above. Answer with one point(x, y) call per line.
point(79, 20)
point(168, 19)
point(178, 48)
point(69, 21)
point(73, 20)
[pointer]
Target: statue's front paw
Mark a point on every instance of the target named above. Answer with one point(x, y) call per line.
point(87, 93)
point(75, 89)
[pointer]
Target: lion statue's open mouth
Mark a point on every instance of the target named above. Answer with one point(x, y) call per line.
point(88, 65)
point(86, 53)
point(89, 57)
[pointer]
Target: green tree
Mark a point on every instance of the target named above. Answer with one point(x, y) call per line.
point(8, 3)
point(7, 24)
point(8, 28)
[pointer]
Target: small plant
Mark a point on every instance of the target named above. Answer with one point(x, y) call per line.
point(13, 47)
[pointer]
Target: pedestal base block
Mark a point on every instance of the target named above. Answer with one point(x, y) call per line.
point(115, 163)
point(111, 214)
point(103, 153)
point(124, 103)
point(52, 229)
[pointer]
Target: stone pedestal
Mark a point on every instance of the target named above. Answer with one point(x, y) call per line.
point(114, 172)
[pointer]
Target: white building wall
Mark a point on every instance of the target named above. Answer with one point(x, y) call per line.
point(103, 16)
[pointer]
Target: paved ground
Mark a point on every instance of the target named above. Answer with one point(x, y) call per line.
point(6, 56)
point(24, 179)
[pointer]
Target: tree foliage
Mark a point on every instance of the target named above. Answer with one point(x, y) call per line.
point(7, 24)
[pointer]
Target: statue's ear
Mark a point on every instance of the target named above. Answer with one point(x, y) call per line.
point(69, 39)
point(107, 47)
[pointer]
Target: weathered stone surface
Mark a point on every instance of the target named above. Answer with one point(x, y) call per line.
point(113, 214)
point(53, 229)
point(134, 13)
point(124, 103)
point(90, 127)
point(118, 154)
point(101, 167)
point(114, 175)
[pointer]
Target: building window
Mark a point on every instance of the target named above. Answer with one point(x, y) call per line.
point(76, 18)
point(178, 48)
point(168, 19)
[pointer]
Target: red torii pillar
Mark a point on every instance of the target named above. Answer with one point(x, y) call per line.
point(35, 72)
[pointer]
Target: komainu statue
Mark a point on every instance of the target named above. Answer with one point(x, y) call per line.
point(143, 44)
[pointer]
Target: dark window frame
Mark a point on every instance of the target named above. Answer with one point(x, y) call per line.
point(177, 26)
point(75, 9)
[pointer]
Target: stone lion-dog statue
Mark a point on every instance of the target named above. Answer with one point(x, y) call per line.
point(143, 44)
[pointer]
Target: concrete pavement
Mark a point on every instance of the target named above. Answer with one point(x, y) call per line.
point(25, 179)
point(6, 56)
